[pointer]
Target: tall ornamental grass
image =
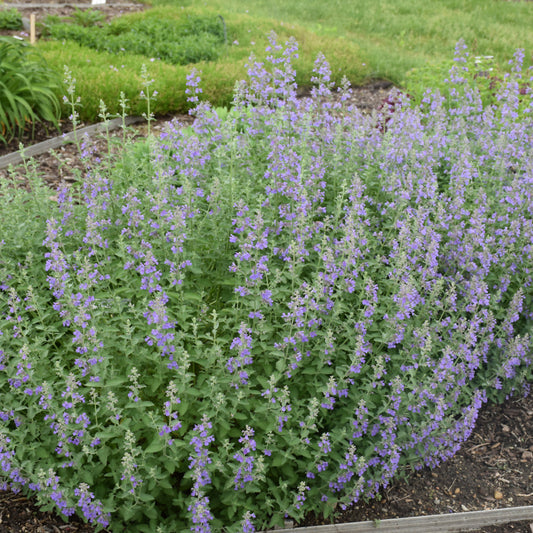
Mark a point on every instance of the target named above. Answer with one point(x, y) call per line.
point(274, 311)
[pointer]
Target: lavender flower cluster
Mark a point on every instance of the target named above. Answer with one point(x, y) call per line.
point(294, 304)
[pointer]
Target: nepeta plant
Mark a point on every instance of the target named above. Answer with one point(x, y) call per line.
point(488, 77)
point(275, 310)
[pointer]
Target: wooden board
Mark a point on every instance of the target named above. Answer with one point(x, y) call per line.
point(426, 524)
point(40, 148)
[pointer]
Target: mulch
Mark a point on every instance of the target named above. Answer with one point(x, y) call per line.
point(494, 469)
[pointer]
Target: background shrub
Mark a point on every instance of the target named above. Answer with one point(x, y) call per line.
point(87, 17)
point(10, 19)
point(273, 311)
point(180, 42)
point(103, 75)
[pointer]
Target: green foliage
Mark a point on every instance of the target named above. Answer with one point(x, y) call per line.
point(87, 18)
point(80, 17)
point(479, 72)
point(48, 21)
point(103, 75)
point(28, 89)
point(188, 40)
point(398, 35)
point(274, 310)
point(10, 19)
point(364, 39)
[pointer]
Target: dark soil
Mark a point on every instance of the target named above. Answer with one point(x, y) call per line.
point(493, 470)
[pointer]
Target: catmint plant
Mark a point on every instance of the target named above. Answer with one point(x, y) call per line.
point(273, 311)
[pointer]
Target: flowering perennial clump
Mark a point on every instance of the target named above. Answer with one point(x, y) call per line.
point(272, 311)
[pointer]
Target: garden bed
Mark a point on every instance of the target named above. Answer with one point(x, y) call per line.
point(111, 9)
point(496, 460)
point(493, 470)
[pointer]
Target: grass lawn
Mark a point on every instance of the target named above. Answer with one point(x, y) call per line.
point(397, 35)
point(362, 40)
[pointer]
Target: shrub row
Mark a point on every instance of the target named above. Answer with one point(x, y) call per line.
point(180, 42)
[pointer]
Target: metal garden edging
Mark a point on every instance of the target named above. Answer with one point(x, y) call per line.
point(40, 148)
point(441, 523)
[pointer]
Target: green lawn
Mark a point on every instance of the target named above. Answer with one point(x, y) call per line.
point(397, 35)
point(362, 39)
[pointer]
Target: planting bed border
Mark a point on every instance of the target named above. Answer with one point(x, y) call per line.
point(40, 148)
point(438, 523)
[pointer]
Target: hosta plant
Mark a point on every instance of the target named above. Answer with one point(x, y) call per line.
point(29, 89)
point(273, 311)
